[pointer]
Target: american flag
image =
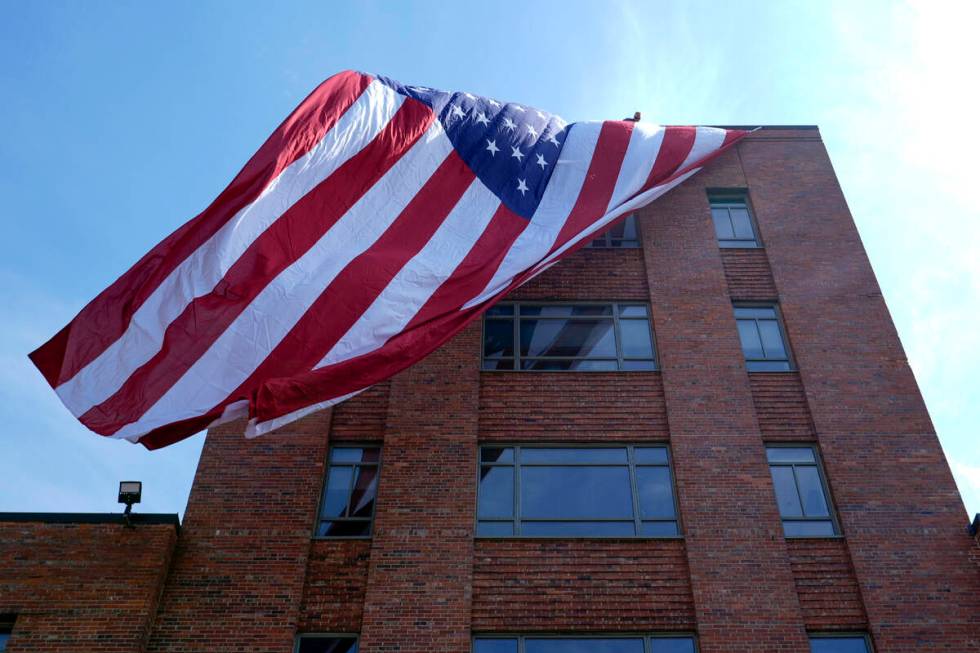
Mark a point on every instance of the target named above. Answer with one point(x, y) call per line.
point(375, 223)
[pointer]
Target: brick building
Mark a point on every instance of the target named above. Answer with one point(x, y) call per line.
point(701, 431)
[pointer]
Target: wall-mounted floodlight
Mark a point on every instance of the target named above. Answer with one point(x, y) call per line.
point(130, 492)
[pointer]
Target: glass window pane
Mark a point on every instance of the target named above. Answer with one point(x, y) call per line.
point(772, 339)
point(742, 224)
point(629, 227)
point(565, 310)
point(636, 341)
point(498, 338)
point(364, 492)
point(767, 366)
point(656, 493)
point(498, 364)
point(346, 455)
point(497, 454)
point(500, 309)
point(811, 492)
point(749, 335)
point(355, 454)
point(838, 645)
point(600, 455)
point(672, 645)
point(327, 645)
point(650, 455)
point(496, 492)
point(576, 338)
point(489, 645)
point(590, 645)
point(638, 365)
point(616, 231)
point(658, 529)
point(786, 495)
point(762, 312)
point(336, 494)
point(344, 528)
point(576, 492)
point(632, 310)
point(790, 455)
point(495, 529)
point(723, 224)
point(578, 528)
point(809, 528)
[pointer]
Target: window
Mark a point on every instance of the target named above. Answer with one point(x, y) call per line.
point(326, 644)
point(349, 493)
point(6, 628)
point(733, 222)
point(553, 644)
point(763, 340)
point(576, 492)
point(843, 643)
point(800, 492)
point(580, 337)
point(621, 235)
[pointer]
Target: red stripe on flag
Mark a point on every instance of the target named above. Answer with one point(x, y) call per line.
point(356, 287)
point(189, 336)
point(439, 319)
point(600, 180)
point(676, 145)
point(107, 316)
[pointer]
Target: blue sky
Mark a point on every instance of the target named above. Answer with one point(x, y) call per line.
point(123, 120)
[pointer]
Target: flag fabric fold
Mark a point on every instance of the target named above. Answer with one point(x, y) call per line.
point(375, 223)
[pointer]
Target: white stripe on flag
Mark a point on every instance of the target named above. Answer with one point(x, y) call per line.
point(198, 274)
point(706, 141)
point(641, 154)
point(557, 203)
point(416, 282)
point(255, 332)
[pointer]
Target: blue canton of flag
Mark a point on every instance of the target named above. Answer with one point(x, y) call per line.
point(511, 147)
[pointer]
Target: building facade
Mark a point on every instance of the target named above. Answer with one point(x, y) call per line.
point(699, 433)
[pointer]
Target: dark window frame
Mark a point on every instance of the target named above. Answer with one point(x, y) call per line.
point(615, 317)
point(646, 636)
point(7, 621)
point(319, 520)
point(783, 334)
point(631, 465)
point(868, 644)
point(729, 198)
point(605, 240)
point(300, 637)
point(824, 485)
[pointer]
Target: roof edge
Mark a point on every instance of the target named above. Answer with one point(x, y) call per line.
point(169, 519)
point(765, 127)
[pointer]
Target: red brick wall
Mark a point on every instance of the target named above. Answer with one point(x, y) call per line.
point(419, 592)
point(899, 508)
point(748, 275)
point(82, 587)
point(239, 570)
point(829, 594)
point(781, 407)
point(581, 585)
point(744, 591)
point(564, 407)
point(590, 274)
point(336, 578)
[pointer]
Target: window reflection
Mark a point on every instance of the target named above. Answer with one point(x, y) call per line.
point(576, 491)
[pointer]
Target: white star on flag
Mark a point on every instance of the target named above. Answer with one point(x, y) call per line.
point(516, 153)
point(492, 147)
point(541, 162)
point(522, 186)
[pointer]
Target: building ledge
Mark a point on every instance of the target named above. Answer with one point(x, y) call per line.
point(91, 518)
